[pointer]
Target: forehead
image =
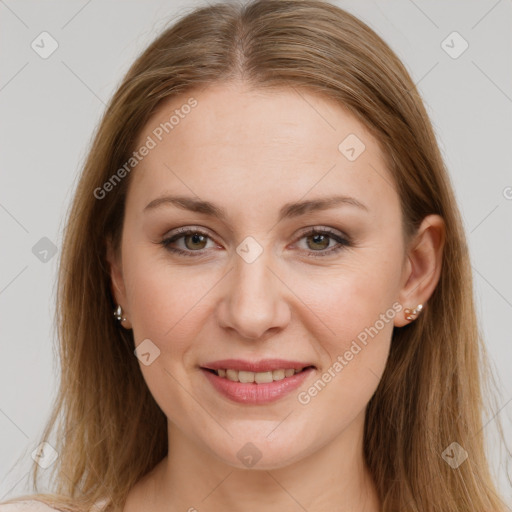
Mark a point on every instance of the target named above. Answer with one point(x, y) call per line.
point(240, 143)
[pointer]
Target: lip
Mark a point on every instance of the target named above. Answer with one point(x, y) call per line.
point(256, 366)
point(253, 393)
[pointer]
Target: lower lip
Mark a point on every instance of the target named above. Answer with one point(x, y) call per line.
point(252, 393)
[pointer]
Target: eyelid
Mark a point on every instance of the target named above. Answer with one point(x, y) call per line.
point(343, 241)
point(321, 228)
point(181, 232)
point(302, 231)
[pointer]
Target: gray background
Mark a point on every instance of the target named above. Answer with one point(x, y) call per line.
point(50, 108)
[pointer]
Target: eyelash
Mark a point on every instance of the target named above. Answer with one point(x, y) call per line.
point(342, 242)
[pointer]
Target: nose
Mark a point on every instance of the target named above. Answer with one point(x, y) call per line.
point(254, 303)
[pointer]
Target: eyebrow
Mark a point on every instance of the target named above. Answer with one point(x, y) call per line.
point(288, 211)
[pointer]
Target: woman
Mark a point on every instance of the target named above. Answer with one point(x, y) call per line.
point(265, 297)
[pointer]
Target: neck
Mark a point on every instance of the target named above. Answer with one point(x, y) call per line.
point(333, 477)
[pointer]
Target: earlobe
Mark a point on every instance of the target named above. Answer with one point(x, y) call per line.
point(117, 286)
point(423, 268)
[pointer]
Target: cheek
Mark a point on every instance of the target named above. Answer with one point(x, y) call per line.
point(152, 290)
point(360, 314)
point(355, 306)
point(166, 308)
point(350, 297)
point(168, 301)
point(341, 393)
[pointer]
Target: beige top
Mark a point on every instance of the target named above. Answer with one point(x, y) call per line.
point(35, 506)
point(26, 506)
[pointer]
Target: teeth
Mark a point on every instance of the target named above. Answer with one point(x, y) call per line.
point(232, 375)
point(245, 376)
point(257, 377)
point(262, 377)
point(280, 374)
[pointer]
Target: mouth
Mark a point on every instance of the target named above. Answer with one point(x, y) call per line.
point(257, 382)
point(261, 377)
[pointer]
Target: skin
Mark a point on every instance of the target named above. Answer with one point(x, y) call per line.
point(250, 152)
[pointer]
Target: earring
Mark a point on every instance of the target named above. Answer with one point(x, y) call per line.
point(410, 314)
point(118, 313)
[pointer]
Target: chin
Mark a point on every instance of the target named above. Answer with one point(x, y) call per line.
point(261, 453)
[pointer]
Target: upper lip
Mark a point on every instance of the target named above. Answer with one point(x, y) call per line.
point(255, 366)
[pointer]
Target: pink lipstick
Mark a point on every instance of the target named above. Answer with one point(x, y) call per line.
point(256, 382)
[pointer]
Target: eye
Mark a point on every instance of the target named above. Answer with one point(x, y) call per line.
point(320, 238)
point(194, 242)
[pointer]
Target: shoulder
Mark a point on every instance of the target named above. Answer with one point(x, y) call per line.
point(26, 506)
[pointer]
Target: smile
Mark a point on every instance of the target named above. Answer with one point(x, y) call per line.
point(256, 383)
point(256, 377)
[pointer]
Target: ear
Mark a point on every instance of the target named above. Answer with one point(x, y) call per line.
point(422, 267)
point(117, 285)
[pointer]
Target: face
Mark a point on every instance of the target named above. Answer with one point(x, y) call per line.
point(258, 280)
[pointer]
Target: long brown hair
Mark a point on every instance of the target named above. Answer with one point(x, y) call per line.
point(109, 430)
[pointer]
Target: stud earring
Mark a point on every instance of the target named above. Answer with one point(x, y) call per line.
point(410, 314)
point(118, 313)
